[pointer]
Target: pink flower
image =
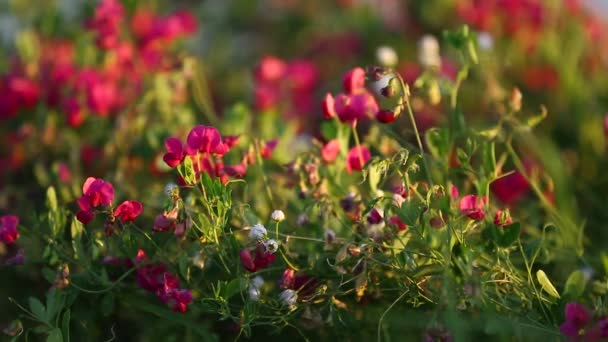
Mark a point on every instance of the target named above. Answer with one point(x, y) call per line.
point(261, 260)
point(302, 75)
point(473, 206)
point(502, 218)
point(205, 139)
point(354, 80)
point(599, 332)
point(8, 229)
point(175, 152)
point(374, 216)
point(74, 115)
point(247, 260)
point(97, 192)
point(351, 108)
point(268, 148)
point(577, 318)
point(270, 69)
point(287, 278)
point(356, 158)
point(328, 107)
point(128, 211)
point(179, 300)
point(330, 150)
point(454, 193)
point(106, 23)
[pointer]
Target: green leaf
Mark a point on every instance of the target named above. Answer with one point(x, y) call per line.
point(54, 303)
point(410, 212)
point(107, 304)
point(546, 284)
point(37, 309)
point(234, 286)
point(55, 336)
point(65, 324)
point(329, 130)
point(505, 236)
point(575, 285)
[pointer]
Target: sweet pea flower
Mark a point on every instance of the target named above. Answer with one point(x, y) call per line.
point(577, 318)
point(257, 232)
point(97, 192)
point(472, 206)
point(354, 80)
point(511, 188)
point(8, 229)
point(328, 106)
point(175, 152)
point(330, 151)
point(247, 260)
point(205, 139)
point(128, 211)
point(162, 223)
point(356, 158)
point(277, 215)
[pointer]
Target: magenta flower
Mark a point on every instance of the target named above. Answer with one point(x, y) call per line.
point(8, 229)
point(330, 151)
point(247, 260)
point(97, 192)
point(511, 188)
point(179, 300)
point(127, 211)
point(577, 318)
point(386, 116)
point(270, 69)
point(268, 148)
point(356, 158)
point(351, 108)
point(287, 278)
point(354, 80)
point(473, 206)
point(205, 139)
point(396, 222)
point(175, 152)
point(162, 223)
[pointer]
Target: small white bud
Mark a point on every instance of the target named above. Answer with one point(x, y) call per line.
point(254, 293)
point(386, 56)
point(169, 188)
point(278, 215)
point(289, 297)
point(257, 282)
point(271, 246)
point(257, 232)
point(428, 52)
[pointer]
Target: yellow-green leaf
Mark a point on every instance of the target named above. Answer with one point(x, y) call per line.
point(546, 284)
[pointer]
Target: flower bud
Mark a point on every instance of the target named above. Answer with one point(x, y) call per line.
point(257, 281)
point(385, 116)
point(278, 215)
point(271, 246)
point(386, 56)
point(289, 297)
point(254, 293)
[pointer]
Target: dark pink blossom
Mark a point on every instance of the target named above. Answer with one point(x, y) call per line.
point(175, 152)
point(268, 148)
point(287, 278)
point(502, 218)
point(354, 80)
point(270, 69)
point(205, 139)
point(356, 158)
point(98, 192)
point(162, 223)
point(8, 229)
point(511, 188)
point(396, 222)
point(577, 318)
point(473, 206)
point(247, 260)
point(127, 211)
point(328, 107)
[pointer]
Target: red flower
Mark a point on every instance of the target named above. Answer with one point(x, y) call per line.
point(74, 115)
point(205, 139)
point(386, 116)
point(8, 229)
point(97, 192)
point(268, 148)
point(395, 221)
point(356, 158)
point(473, 207)
point(175, 152)
point(287, 279)
point(179, 300)
point(247, 260)
point(330, 150)
point(128, 211)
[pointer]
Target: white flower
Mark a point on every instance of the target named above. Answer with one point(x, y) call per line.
point(169, 188)
point(278, 215)
point(428, 52)
point(386, 56)
point(302, 219)
point(289, 297)
point(271, 246)
point(485, 40)
point(257, 232)
point(257, 282)
point(254, 293)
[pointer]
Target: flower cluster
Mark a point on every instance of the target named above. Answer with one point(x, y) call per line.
point(8, 229)
point(262, 252)
point(97, 192)
point(205, 148)
point(155, 278)
point(290, 84)
point(577, 325)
